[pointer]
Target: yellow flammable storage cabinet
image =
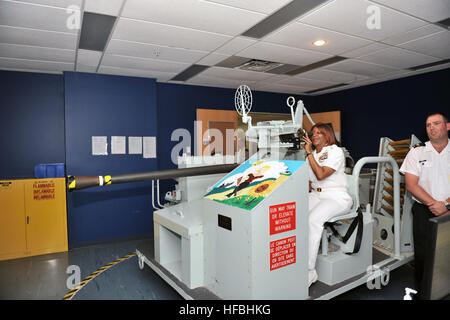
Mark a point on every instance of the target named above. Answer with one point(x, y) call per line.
point(33, 217)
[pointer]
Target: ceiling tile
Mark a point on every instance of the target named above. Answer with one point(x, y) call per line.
point(108, 7)
point(420, 32)
point(302, 36)
point(17, 14)
point(36, 53)
point(436, 45)
point(55, 3)
point(212, 59)
point(351, 17)
point(393, 75)
point(283, 88)
point(170, 36)
point(40, 38)
point(332, 76)
point(160, 76)
point(306, 83)
point(373, 47)
point(283, 54)
point(361, 68)
point(235, 45)
point(145, 50)
point(266, 7)
point(205, 16)
point(84, 68)
point(211, 81)
point(8, 63)
point(399, 58)
point(274, 78)
point(88, 57)
point(432, 11)
point(235, 74)
point(143, 64)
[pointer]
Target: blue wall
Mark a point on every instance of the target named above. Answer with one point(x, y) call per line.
point(31, 122)
point(103, 105)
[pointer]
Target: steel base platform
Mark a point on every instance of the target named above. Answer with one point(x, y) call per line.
point(317, 291)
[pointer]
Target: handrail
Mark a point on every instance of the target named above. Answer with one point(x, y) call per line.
point(157, 194)
point(396, 184)
point(153, 195)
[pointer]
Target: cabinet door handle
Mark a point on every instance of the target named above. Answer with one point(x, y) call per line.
point(28, 220)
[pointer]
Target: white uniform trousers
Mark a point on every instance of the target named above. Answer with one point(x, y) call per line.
point(322, 207)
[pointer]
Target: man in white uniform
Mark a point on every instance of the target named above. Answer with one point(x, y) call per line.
point(427, 176)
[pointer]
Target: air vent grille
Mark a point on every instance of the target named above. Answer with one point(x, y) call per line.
point(259, 65)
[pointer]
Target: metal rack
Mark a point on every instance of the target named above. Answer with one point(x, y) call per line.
point(383, 236)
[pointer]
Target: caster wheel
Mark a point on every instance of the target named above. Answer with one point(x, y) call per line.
point(141, 262)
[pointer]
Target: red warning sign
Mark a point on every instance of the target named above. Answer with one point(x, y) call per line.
point(282, 217)
point(43, 190)
point(282, 252)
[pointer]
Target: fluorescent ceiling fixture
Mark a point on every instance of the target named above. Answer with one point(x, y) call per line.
point(286, 14)
point(316, 65)
point(189, 72)
point(95, 31)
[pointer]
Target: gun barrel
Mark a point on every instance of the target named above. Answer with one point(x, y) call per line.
point(83, 182)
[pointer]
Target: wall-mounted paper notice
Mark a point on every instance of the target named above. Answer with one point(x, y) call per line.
point(99, 146)
point(134, 145)
point(117, 145)
point(149, 147)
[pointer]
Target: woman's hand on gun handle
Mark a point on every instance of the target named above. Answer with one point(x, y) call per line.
point(308, 143)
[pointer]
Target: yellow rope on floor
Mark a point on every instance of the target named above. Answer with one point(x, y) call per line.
point(69, 295)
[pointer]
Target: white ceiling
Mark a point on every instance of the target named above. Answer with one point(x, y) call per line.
point(161, 38)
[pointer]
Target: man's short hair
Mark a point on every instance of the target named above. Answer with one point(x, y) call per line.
point(435, 114)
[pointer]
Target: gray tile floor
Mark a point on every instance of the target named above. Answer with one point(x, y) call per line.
point(45, 277)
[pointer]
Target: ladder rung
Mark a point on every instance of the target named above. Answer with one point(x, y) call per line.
point(391, 181)
point(388, 209)
point(400, 142)
point(390, 172)
point(390, 199)
point(390, 190)
point(399, 151)
point(398, 157)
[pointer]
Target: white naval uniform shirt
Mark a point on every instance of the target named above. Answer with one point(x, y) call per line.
point(333, 157)
point(432, 168)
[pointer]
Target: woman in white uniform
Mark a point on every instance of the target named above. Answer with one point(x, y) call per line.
point(328, 195)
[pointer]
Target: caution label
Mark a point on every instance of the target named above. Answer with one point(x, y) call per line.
point(282, 252)
point(282, 217)
point(5, 185)
point(43, 190)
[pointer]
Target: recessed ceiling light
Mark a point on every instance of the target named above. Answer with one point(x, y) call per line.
point(319, 43)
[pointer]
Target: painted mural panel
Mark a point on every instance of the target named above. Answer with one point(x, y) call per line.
point(250, 183)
